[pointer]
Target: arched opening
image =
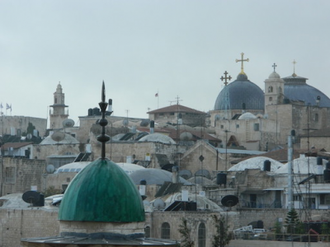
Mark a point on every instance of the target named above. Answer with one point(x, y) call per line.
point(201, 235)
point(147, 231)
point(165, 231)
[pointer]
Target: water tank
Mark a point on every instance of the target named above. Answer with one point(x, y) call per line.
point(326, 176)
point(319, 161)
point(222, 178)
point(90, 112)
point(267, 165)
point(96, 111)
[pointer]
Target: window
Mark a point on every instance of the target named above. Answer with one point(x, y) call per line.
point(165, 231)
point(270, 98)
point(237, 126)
point(10, 174)
point(256, 127)
point(325, 199)
point(201, 235)
point(270, 89)
point(316, 117)
point(221, 126)
point(147, 231)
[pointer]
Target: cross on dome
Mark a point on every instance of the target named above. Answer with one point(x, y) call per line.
point(242, 60)
point(225, 78)
point(274, 66)
point(294, 68)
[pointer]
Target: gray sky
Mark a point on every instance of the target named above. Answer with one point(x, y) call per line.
point(173, 47)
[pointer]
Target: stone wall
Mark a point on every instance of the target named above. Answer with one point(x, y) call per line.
point(42, 222)
point(19, 174)
point(25, 223)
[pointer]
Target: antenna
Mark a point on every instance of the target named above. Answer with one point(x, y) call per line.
point(68, 123)
point(159, 204)
point(58, 136)
point(33, 198)
point(229, 201)
point(50, 168)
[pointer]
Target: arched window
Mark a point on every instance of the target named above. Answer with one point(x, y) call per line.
point(201, 235)
point(270, 89)
point(165, 231)
point(147, 231)
point(316, 117)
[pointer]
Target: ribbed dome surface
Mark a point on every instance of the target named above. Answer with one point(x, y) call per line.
point(296, 89)
point(102, 192)
point(240, 92)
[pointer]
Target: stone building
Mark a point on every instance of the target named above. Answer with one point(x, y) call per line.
point(21, 126)
point(21, 174)
point(286, 104)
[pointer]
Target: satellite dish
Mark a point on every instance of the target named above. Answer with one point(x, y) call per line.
point(159, 204)
point(229, 201)
point(67, 123)
point(58, 136)
point(50, 168)
point(31, 197)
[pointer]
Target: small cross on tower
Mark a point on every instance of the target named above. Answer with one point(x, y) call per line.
point(225, 78)
point(242, 61)
point(294, 68)
point(274, 66)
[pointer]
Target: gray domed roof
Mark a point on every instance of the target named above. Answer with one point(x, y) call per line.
point(247, 115)
point(156, 137)
point(296, 89)
point(67, 139)
point(274, 75)
point(154, 176)
point(242, 93)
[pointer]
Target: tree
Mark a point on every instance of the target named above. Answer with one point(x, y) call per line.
point(293, 222)
point(185, 234)
point(325, 229)
point(222, 237)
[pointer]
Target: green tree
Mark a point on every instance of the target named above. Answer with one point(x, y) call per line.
point(325, 229)
point(184, 230)
point(222, 237)
point(30, 128)
point(293, 222)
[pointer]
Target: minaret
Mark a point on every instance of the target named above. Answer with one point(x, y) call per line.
point(57, 113)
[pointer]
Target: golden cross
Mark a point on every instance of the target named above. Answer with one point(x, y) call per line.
point(294, 68)
point(225, 78)
point(242, 60)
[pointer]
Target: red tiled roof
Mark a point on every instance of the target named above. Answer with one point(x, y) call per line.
point(15, 145)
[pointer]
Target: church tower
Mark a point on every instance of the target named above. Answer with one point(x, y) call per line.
point(58, 113)
point(274, 89)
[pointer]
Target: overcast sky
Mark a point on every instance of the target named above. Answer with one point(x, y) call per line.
point(176, 48)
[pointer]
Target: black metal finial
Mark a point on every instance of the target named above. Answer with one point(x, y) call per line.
point(103, 138)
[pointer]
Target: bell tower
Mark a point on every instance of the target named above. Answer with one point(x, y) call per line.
point(58, 113)
point(274, 89)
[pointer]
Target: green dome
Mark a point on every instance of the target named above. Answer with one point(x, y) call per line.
point(102, 192)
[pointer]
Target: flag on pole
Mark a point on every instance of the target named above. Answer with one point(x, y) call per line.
point(8, 106)
point(1, 106)
point(156, 95)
